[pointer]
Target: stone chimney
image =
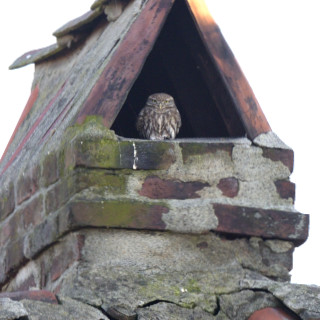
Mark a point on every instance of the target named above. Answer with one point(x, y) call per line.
point(98, 224)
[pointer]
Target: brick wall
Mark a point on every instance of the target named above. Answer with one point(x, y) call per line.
point(228, 186)
point(228, 202)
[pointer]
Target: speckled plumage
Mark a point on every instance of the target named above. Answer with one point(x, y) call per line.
point(159, 119)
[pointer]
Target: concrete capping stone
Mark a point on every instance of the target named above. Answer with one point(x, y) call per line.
point(270, 140)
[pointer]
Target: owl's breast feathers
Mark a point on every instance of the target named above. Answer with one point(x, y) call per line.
point(158, 124)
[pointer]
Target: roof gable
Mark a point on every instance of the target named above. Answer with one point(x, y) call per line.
point(156, 44)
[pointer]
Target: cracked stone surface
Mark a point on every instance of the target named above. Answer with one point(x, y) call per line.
point(304, 300)
point(167, 311)
point(142, 267)
point(241, 305)
point(67, 309)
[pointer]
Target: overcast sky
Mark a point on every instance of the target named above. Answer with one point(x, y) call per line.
point(277, 46)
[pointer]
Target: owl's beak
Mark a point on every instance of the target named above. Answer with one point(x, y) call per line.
point(161, 105)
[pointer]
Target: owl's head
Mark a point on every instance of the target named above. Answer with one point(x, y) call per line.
point(160, 101)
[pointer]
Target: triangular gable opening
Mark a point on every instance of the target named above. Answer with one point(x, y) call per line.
point(179, 64)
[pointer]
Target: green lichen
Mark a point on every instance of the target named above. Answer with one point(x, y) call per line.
point(193, 286)
point(183, 290)
point(103, 180)
point(120, 213)
point(91, 126)
point(198, 149)
point(90, 140)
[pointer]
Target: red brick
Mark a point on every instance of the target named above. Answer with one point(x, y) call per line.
point(229, 187)
point(36, 295)
point(156, 188)
point(11, 228)
point(33, 212)
point(273, 314)
point(60, 193)
point(27, 283)
point(6, 200)
point(29, 214)
point(43, 235)
point(202, 245)
point(66, 256)
point(283, 155)
point(5, 232)
point(28, 184)
point(14, 256)
point(128, 214)
point(110, 154)
point(270, 224)
point(286, 189)
point(50, 172)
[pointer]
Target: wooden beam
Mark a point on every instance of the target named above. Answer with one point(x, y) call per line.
point(110, 91)
point(244, 99)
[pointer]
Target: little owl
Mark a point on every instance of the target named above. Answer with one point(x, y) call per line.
point(159, 119)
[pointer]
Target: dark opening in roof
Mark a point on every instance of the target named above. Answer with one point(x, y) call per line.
point(179, 64)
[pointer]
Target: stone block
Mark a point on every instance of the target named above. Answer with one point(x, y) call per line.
point(11, 310)
point(66, 309)
point(302, 300)
point(241, 305)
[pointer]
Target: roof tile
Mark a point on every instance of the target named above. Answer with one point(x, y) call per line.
point(37, 55)
point(75, 24)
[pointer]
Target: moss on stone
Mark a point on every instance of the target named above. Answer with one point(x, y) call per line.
point(198, 149)
point(180, 289)
point(118, 213)
point(193, 286)
point(113, 183)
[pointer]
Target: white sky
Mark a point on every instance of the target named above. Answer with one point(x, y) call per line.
point(277, 46)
